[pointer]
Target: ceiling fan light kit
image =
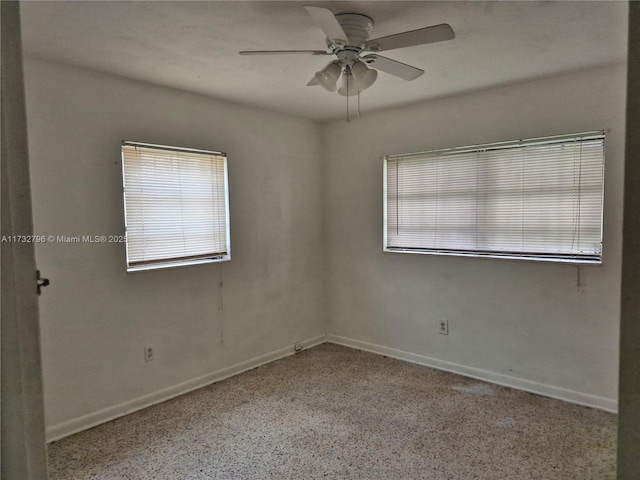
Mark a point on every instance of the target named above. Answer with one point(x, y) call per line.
point(347, 37)
point(363, 75)
point(347, 89)
point(328, 76)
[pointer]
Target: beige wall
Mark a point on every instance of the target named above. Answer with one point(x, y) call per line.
point(306, 233)
point(521, 323)
point(96, 318)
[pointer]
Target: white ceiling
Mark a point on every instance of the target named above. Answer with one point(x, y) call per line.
point(194, 46)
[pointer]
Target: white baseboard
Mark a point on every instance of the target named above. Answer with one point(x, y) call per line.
point(580, 398)
point(64, 429)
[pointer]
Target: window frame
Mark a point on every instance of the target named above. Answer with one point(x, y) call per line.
point(169, 263)
point(494, 254)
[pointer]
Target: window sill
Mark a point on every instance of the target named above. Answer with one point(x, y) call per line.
point(523, 257)
point(187, 263)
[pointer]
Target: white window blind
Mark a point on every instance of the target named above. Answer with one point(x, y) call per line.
point(538, 199)
point(176, 206)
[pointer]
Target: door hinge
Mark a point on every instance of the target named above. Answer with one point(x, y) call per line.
point(40, 282)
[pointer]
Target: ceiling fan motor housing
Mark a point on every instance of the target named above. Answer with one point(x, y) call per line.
point(357, 28)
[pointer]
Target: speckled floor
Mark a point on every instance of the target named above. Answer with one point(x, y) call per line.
point(333, 412)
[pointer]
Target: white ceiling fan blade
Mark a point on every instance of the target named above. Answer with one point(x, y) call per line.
point(421, 36)
point(328, 23)
point(392, 67)
point(280, 52)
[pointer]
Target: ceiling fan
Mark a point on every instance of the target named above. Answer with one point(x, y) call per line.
point(348, 39)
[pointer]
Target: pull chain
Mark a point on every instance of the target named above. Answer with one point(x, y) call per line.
point(347, 97)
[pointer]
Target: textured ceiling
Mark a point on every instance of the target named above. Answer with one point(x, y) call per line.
point(194, 46)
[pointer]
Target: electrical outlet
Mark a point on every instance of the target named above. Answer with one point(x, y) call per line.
point(148, 354)
point(444, 327)
point(297, 346)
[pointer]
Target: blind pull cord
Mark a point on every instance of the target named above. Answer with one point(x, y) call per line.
point(580, 278)
point(221, 304)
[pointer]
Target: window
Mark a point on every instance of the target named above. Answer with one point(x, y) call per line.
point(536, 199)
point(176, 206)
